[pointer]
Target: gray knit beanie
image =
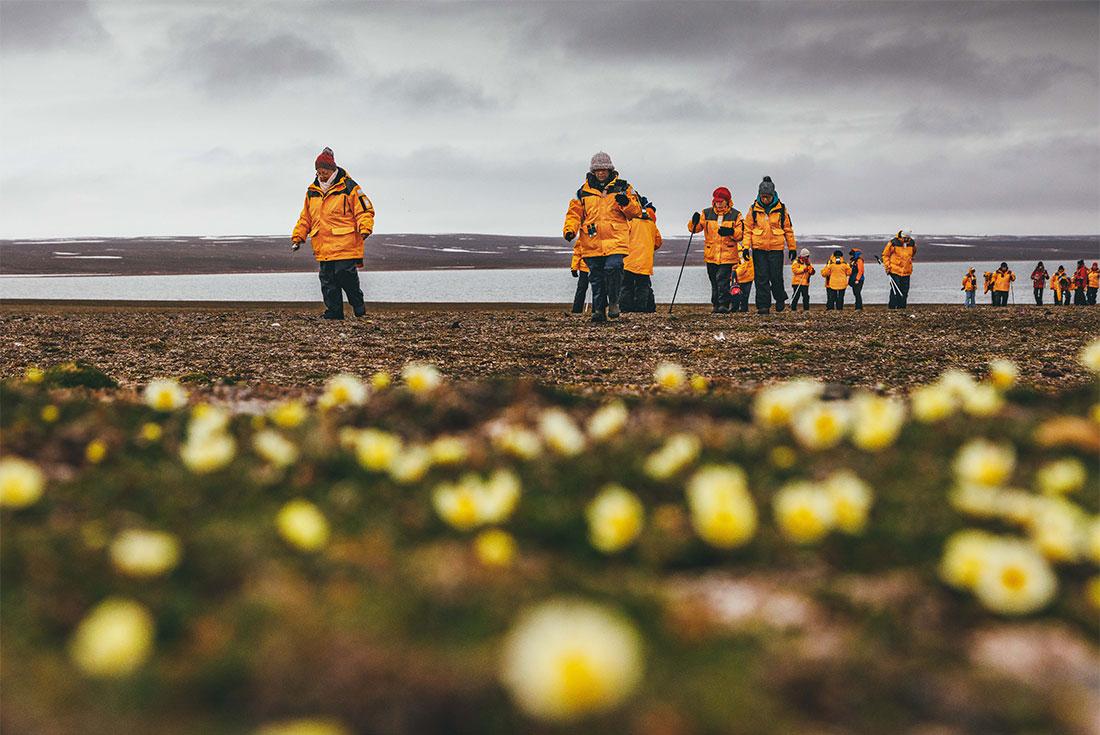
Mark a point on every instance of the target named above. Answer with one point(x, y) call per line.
point(601, 160)
point(766, 187)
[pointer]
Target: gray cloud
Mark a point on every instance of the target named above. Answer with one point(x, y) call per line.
point(428, 89)
point(31, 25)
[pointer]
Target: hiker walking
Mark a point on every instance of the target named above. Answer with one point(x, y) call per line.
point(801, 270)
point(1093, 284)
point(836, 273)
point(989, 286)
point(855, 280)
point(745, 276)
point(970, 287)
point(645, 240)
point(1080, 284)
point(1059, 284)
point(897, 256)
point(1002, 282)
point(768, 232)
point(1039, 282)
point(337, 218)
point(602, 207)
point(722, 230)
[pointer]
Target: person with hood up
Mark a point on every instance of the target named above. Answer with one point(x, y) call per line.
point(602, 208)
point(897, 257)
point(1080, 284)
point(836, 273)
point(722, 230)
point(856, 279)
point(989, 284)
point(579, 270)
point(745, 276)
point(970, 287)
point(338, 218)
point(801, 270)
point(1059, 284)
point(645, 240)
point(1039, 282)
point(768, 232)
point(1093, 284)
point(1002, 282)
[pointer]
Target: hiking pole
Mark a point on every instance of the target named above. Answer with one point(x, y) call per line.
point(893, 286)
point(694, 223)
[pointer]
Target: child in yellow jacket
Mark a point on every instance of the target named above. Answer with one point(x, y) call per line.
point(836, 273)
point(801, 270)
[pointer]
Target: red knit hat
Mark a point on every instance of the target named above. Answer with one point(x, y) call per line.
point(722, 193)
point(325, 160)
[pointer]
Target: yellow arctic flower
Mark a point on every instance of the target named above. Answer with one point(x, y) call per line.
point(615, 519)
point(964, 557)
point(449, 450)
point(1061, 476)
point(982, 463)
point(783, 457)
point(96, 451)
point(1003, 373)
point(381, 380)
point(978, 501)
point(932, 403)
point(1092, 591)
point(302, 525)
point(957, 383)
point(1059, 530)
point(343, 389)
point(376, 449)
point(208, 453)
point(114, 639)
point(1090, 356)
point(274, 448)
point(803, 512)
point(498, 496)
point(876, 421)
point(567, 659)
point(699, 383)
point(164, 394)
point(144, 554)
point(495, 548)
point(821, 424)
point(1092, 540)
point(677, 453)
point(410, 465)
point(983, 400)
point(21, 482)
point(607, 421)
point(50, 413)
point(560, 433)
point(289, 414)
point(151, 432)
point(669, 375)
point(516, 441)
point(33, 375)
point(306, 726)
point(851, 499)
point(722, 511)
point(1015, 579)
point(472, 502)
point(207, 420)
point(421, 377)
point(776, 406)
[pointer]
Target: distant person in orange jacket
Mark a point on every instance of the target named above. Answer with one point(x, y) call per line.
point(1002, 282)
point(856, 279)
point(645, 240)
point(1039, 282)
point(723, 231)
point(836, 273)
point(745, 276)
point(897, 256)
point(989, 286)
point(1093, 283)
point(1080, 284)
point(801, 270)
point(970, 287)
point(1059, 284)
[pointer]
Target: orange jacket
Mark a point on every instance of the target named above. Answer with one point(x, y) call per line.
point(801, 270)
point(768, 230)
point(645, 239)
point(720, 249)
point(577, 263)
point(988, 276)
point(836, 274)
point(336, 221)
point(1056, 282)
point(596, 212)
point(970, 281)
point(897, 256)
point(857, 270)
point(745, 270)
point(1003, 279)
point(1094, 277)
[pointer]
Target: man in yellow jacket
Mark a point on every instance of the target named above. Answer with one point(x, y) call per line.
point(645, 240)
point(969, 288)
point(1093, 284)
point(768, 232)
point(745, 276)
point(602, 208)
point(722, 230)
point(338, 218)
point(1002, 282)
point(897, 256)
point(836, 273)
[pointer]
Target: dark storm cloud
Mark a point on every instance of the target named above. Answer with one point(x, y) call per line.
point(43, 26)
point(428, 89)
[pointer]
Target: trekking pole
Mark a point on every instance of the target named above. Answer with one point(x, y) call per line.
point(893, 286)
point(694, 223)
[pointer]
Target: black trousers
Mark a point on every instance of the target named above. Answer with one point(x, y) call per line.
point(768, 265)
point(742, 302)
point(1000, 298)
point(1039, 295)
point(899, 293)
point(1091, 299)
point(800, 292)
point(834, 299)
point(605, 275)
point(1079, 298)
point(339, 277)
point(720, 278)
point(857, 291)
point(581, 293)
point(636, 293)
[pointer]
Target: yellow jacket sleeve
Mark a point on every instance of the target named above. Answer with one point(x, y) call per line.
point(573, 216)
point(657, 242)
point(304, 225)
point(633, 208)
point(363, 209)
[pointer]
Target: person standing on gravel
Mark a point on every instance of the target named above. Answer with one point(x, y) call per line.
point(1080, 284)
point(801, 270)
point(768, 232)
point(745, 276)
point(337, 218)
point(601, 209)
point(897, 256)
point(970, 287)
point(722, 230)
point(836, 273)
point(1059, 284)
point(645, 240)
point(1093, 284)
point(1039, 282)
point(1002, 282)
point(855, 280)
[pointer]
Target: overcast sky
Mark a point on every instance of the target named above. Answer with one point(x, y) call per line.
point(155, 118)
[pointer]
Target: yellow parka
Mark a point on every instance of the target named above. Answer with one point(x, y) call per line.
point(720, 249)
point(801, 271)
point(336, 221)
point(645, 239)
point(970, 281)
point(577, 263)
point(745, 271)
point(768, 230)
point(836, 274)
point(1002, 280)
point(1094, 277)
point(596, 212)
point(1056, 283)
point(897, 256)
point(988, 281)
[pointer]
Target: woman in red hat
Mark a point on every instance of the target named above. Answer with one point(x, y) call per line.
point(723, 228)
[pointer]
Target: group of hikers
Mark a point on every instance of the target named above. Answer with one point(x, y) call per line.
point(1081, 285)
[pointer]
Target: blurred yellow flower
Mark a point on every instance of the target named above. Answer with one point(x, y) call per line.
point(96, 451)
point(783, 457)
point(803, 513)
point(410, 465)
point(302, 525)
point(976, 500)
point(449, 450)
point(274, 448)
point(50, 413)
point(568, 659)
point(1092, 591)
point(821, 424)
point(722, 512)
point(983, 463)
point(607, 421)
point(615, 519)
point(777, 406)
point(472, 502)
point(206, 421)
point(1015, 579)
point(21, 482)
point(33, 375)
point(495, 548)
point(876, 421)
point(343, 389)
point(144, 554)
point(151, 432)
point(983, 400)
point(421, 377)
point(114, 639)
point(289, 414)
point(499, 496)
point(957, 383)
point(964, 557)
point(516, 441)
point(1090, 356)
point(376, 449)
point(1003, 373)
point(164, 394)
point(208, 453)
point(932, 403)
point(1092, 540)
point(676, 454)
point(257, 422)
point(669, 375)
point(381, 380)
point(1061, 476)
point(851, 499)
point(307, 726)
point(560, 433)
point(1059, 530)
point(1094, 413)
point(699, 383)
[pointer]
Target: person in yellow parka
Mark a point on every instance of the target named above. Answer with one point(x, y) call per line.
point(579, 270)
point(744, 275)
point(722, 230)
point(1059, 284)
point(338, 218)
point(970, 287)
point(602, 208)
point(1093, 284)
point(1002, 282)
point(836, 273)
point(768, 232)
point(988, 276)
point(897, 256)
point(801, 270)
point(645, 240)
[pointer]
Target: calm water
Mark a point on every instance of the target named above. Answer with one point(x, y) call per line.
point(932, 283)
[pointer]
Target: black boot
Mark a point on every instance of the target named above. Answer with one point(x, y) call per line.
point(599, 316)
point(613, 310)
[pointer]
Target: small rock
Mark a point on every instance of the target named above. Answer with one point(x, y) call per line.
point(276, 324)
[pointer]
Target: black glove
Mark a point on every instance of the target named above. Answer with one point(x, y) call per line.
point(575, 274)
point(295, 245)
point(725, 231)
point(695, 219)
point(622, 200)
point(569, 236)
point(791, 254)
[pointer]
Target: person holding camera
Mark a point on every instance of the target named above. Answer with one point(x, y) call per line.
point(768, 232)
point(602, 209)
point(722, 230)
